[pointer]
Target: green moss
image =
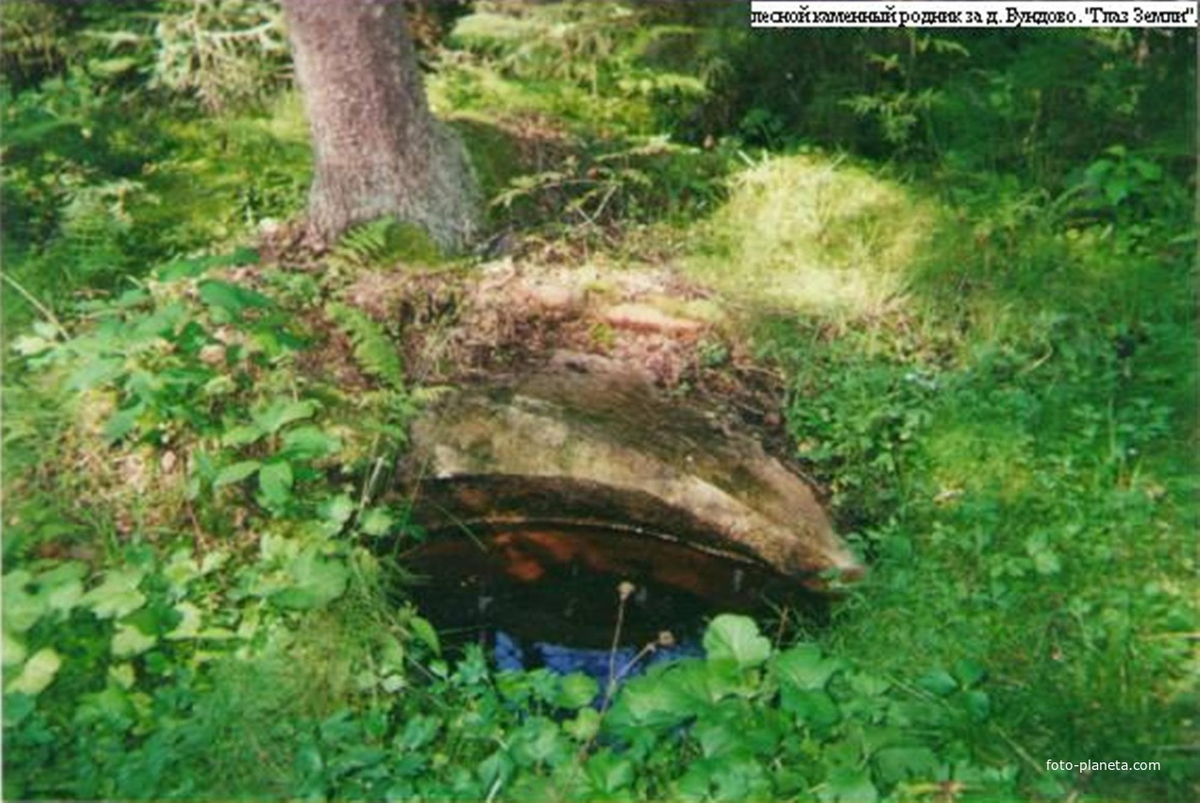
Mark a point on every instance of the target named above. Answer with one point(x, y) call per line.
point(495, 155)
point(226, 175)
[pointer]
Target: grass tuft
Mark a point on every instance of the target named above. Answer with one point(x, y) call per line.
point(811, 233)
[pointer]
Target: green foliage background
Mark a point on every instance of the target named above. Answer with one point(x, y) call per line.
point(994, 379)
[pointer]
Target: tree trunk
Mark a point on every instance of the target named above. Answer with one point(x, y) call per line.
point(377, 148)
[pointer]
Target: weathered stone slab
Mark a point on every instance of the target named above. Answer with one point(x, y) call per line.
point(604, 451)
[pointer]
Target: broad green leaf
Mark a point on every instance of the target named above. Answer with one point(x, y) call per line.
point(648, 702)
point(607, 772)
point(896, 764)
point(64, 597)
point(338, 508)
point(717, 738)
point(696, 783)
point(96, 372)
point(48, 330)
point(584, 726)
point(308, 443)
point(117, 596)
point(62, 573)
point(1046, 561)
point(920, 713)
point(235, 473)
point(129, 641)
point(275, 479)
point(29, 345)
point(213, 560)
point(160, 324)
point(316, 581)
point(122, 675)
point(496, 767)
point(189, 623)
point(730, 636)
point(850, 785)
point(538, 741)
point(391, 654)
point(336, 512)
point(16, 708)
point(278, 547)
point(110, 704)
point(740, 778)
point(37, 674)
point(282, 412)
point(242, 435)
point(803, 667)
point(18, 578)
point(532, 787)
point(123, 422)
point(693, 687)
point(62, 586)
point(544, 685)
point(577, 691)
point(232, 298)
point(868, 685)
point(180, 571)
point(716, 679)
point(221, 385)
point(875, 737)
point(969, 673)
point(978, 704)
point(1151, 171)
point(196, 266)
point(376, 521)
point(22, 609)
point(426, 633)
point(146, 385)
point(1116, 190)
point(13, 649)
point(418, 731)
point(938, 681)
point(814, 708)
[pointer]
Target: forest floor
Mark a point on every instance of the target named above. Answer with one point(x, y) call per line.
point(994, 388)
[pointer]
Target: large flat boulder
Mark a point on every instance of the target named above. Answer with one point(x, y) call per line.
point(602, 452)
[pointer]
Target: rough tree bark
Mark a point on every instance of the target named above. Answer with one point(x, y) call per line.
point(377, 148)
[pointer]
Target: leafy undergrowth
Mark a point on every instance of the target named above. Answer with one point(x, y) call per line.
point(234, 633)
point(183, 496)
point(163, 706)
point(100, 185)
point(992, 373)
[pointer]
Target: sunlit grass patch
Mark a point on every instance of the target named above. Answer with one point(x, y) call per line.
point(814, 234)
point(978, 456)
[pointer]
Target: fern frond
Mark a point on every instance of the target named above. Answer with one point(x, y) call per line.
point(380, 242)
point(375, 352)
point(362, 246)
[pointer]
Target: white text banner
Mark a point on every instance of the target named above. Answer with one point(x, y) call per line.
point(1018, 14)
